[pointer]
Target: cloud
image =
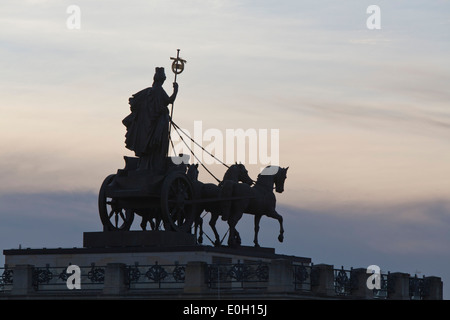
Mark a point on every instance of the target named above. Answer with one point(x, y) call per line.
point(377, 115)
point(406, 237)
point(410, 227)
point(382, 228)
point(51, 220)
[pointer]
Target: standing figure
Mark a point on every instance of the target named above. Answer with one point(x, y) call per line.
point(148, 124)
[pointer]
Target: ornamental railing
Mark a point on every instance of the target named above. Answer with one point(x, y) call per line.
point(418, 288)
point(345, 281)
point(238, 276)
point(6, 279)
point(386, 286)
point(155, 276)
point(305, 277)
point(285, 276)
point(55, 278)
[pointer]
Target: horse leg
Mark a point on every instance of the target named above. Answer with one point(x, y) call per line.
point(196, 222)
point(257, 220)
point(158, 219)
point(144, 221)
point(158, 223)
point(234, 239)
point(200, 237)
point(143, 224)
point(277, 216)
point(152, 223)
point(212, 224)
point(237, 237)
point(231, 234)
point(198, 230)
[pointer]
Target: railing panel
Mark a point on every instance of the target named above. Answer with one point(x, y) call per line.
point(418, 288)
point(344, 282)
point(6, 279)
point(386, 287)
point(305, 277)
point(238, 276)
point(144, 277)
point(55, 278)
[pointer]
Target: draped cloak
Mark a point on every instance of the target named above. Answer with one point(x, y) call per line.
point(148, 123)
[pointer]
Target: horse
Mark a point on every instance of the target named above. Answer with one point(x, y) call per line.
point(257, 200)
point(204, 191)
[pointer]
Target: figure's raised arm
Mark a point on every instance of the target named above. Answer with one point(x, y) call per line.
point(174, 94)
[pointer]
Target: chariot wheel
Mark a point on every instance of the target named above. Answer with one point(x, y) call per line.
point(113, 217)
point(177, 212)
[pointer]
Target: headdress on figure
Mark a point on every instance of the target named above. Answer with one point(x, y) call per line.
point(160, 75)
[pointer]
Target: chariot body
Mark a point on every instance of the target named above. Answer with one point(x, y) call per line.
point(166, 197)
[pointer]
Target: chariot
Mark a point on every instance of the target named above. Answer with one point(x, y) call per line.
point(167, 196)
point(170, 196)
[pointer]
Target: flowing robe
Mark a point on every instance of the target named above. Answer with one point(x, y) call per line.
point(148, 124)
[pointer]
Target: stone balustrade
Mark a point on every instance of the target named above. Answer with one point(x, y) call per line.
point(280, 278)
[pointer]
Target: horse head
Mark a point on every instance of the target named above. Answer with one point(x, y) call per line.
point(237, 172)
point(243, 174)
point(192, 172)
point(279, 179)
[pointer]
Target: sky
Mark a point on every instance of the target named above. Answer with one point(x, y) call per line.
point(363, 115)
